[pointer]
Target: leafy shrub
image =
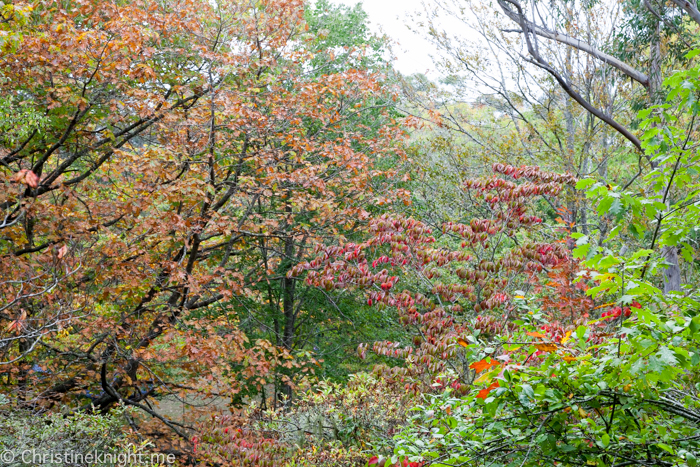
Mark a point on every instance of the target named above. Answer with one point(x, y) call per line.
point(52, 437)
point(630, 400)
point(328, 425)
point(445, 284)
point(361, 418)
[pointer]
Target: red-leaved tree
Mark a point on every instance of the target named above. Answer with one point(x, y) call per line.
point(448, 288)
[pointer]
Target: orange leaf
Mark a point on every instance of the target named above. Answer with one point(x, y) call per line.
point(546, 347)
point(31, 179)
point(485, 392)
point(462, 342)
point(482, 365)
point(570, 359)
point(534, 334)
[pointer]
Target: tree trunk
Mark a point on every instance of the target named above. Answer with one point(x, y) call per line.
point(669, 253)
point(288, 308)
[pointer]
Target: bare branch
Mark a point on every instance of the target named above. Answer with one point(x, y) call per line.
point(526, 25)
point(542, 63)
point(689, 8)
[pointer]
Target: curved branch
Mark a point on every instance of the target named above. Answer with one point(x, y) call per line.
point(689, 8)
point(542, 63)
point(633, 73)
point(115, 395)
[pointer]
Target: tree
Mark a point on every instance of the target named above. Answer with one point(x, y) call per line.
point(180, 138)
point(356, 150)
point(531, 31)
point(494, 107)
point(563, 47)
point(443, 291)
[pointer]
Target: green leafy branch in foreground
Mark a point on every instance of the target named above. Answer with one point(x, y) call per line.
point(621, 390)
point(628, 400)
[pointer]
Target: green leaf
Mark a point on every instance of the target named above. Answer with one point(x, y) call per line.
point(687, 252)
point(585, 183)
point(581, 252)
point(666, 448)
point(667, 356)
point(616, 208)
point(639, 253)
point(694, 325)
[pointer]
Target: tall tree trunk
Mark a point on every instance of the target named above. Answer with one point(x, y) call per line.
point(669, 253)
point(570, 147)
point(288, 299)
point(288, 285)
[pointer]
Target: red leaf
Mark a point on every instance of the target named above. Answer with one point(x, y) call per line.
point(483, 394)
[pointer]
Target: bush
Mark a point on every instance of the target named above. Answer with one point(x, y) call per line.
point(54, 439)
point(328, 425)
point(621, 390)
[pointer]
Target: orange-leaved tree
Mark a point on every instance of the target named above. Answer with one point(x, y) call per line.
point(178, 138)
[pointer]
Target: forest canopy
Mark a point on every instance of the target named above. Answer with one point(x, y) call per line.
point(233, 234)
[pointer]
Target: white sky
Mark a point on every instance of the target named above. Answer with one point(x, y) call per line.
point(390, 17)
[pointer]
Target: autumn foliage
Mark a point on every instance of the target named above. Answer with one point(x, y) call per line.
point(188, 146)
point(201, 201)
point(443, 294)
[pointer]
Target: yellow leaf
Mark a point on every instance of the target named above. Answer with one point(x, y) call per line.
point(566, 338)
point(485, 377)
point(546, 347)
point(570, 359)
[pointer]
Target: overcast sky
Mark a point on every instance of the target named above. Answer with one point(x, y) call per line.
point(390, 16)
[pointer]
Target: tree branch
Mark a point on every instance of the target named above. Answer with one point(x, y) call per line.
point(540, 62)
point(526, 25)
